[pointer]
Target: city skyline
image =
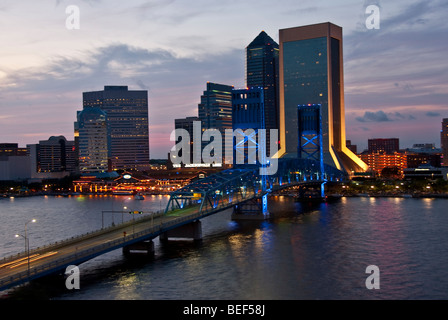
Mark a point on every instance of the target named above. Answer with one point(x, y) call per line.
point(395, 77)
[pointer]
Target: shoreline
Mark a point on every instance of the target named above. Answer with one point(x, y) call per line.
point(291, 194)
point(376, 195)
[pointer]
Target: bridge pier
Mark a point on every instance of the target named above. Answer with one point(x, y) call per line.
point(254, 209)
point(191, 230)
point(145, 246)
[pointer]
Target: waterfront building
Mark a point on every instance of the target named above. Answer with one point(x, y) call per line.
point(444, 141)
point(426, 172)
point(12, 149)
point(311, 72)
point(127, 125)
point(379, 161)
point(414, 160)
point(15, 168)
point(56, 154)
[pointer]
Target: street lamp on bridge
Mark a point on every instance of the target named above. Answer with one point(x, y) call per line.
point(27, 242)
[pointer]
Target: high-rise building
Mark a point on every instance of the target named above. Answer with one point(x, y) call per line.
point(92, 141)
point(444, 141)
point(311, 72)
point(215, 109)
point(187, 124)
point(388, 146)
point(127, 123)
point(262, 71)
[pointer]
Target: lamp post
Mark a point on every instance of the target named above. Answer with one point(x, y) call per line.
point(27, 243)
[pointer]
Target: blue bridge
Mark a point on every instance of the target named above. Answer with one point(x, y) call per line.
point(242, 188)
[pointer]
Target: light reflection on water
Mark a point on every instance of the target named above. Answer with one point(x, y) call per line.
point(305, 251)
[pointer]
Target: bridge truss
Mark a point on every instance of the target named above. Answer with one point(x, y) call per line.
point(243, 183)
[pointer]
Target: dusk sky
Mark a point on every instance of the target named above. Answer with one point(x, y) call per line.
point(396, 77)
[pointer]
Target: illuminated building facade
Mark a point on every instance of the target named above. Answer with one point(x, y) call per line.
point(248, 112)
point(215, 109)
point(311, 72)
point(379, 161)
point(127, 124)
point(92, 140)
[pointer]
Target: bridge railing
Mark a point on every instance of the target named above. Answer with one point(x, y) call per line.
point(62, 262)
point(85, 236)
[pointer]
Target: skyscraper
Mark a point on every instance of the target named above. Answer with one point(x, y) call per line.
point(262, 71)
point(92, 140)
point(215, 109)
point(187, 124)
point(311, 72)
point(127, 124)
point(444, 141)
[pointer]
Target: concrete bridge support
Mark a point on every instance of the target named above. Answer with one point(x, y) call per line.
point(255, 209)
point(191, 230)
point(144, 246)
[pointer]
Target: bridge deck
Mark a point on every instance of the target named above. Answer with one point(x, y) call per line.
point(56, 257)
point(193, 202)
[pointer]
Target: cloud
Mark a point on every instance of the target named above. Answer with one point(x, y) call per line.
point(174, 86)
point(432, 114)
point(378, 116)
point(381, 116)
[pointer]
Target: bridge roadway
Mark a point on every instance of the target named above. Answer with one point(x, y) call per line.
point(58, 256)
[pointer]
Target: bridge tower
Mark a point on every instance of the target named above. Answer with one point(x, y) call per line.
point(249, 114)
point(310, 138)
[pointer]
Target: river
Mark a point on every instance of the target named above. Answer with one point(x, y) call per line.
point(304, 251)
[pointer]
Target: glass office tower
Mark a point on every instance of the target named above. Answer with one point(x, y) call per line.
point(128, 125)
point(215, 109)
point(262, 71)
point(311, 72)
point(92, 140)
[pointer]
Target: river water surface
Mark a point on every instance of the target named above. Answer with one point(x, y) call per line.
point(304, 251)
